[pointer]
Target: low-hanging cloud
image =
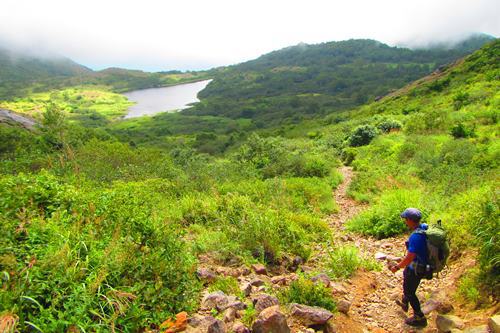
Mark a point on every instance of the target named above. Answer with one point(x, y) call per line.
point(190, 34)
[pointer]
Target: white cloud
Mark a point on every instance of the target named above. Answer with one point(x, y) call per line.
point(191, 34)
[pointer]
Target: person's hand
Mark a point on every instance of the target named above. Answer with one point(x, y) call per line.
point(393, 267)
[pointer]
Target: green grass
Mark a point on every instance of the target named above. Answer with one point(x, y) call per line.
point(346, 260)
point(227, 284)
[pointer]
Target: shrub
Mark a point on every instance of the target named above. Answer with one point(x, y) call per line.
point(382, 219)
point(389, 125)
point(362, 135)
point(305, 291)
point(462, 131)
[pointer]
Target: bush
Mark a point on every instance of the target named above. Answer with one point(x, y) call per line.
point(362, 135)
point(305, 291)
point(389, 125)
point(462, 131)
point(90, 257)
point(382, 219)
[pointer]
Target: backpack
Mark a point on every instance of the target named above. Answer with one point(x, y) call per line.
point(438, 247)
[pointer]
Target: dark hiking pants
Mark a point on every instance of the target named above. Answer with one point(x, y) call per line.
point(410, 285)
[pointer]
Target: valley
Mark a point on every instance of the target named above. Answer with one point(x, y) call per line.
point(284, 184)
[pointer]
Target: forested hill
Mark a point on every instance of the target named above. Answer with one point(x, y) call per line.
point(18, 66)
point(22, 73)
point(321, 78)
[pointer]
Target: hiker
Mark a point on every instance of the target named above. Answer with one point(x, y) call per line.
point(414, 265)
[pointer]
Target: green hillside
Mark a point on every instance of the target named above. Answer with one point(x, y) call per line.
point(22, 74)
point(101, 235)
point(307, 81)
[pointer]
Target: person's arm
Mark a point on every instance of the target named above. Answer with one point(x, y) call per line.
point(405, 262)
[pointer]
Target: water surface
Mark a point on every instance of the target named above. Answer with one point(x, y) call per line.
point(166, 99)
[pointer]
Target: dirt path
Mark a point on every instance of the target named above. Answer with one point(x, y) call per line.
point(373, 294)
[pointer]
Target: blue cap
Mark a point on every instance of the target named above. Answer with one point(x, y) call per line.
point(412, 214)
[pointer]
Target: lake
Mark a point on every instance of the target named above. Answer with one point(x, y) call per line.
point(166, 99)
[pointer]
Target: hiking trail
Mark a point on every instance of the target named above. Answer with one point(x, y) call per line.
point(371, 294)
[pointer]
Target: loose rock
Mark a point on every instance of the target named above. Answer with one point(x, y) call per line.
point(240, 328)
point(216, 327)
point(344, 306)
point(271, 320)
point(330, 326)
point(310, 315)
point(246, 289)
point(494, 324)
point(257, 282)
point(206, 274)
point(279, 280)
point(264, 301)
point(259, 269)
point(380, 256)
point(478, 329)
point(445, 323)
point(323, 278)
point(229, 315)
point(216, 300)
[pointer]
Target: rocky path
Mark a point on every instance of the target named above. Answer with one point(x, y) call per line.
point(366, 302)
point(373, 294)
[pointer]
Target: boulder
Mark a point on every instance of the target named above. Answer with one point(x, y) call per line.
point(206, 274)
point(344, 306)
point(216, 300)
point(229, 315)
point(206, 324)
point(321, 278)
point(445, 323)
point(338, 288)
point(240, 328)
point(246, 289)
point(196, 320)
point(310, 315)
point(380, 256)
point(330, 326)
point(279, 280)
point(257, 282)
point(478, 329)
point(437, 304)
point(264, 301)
point(259, 269)
point(217, 326)
point(237, 305)
point(271, 320)
point(494, 324)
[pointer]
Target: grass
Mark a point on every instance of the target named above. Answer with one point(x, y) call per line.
point(345, 261)
point(227, 284)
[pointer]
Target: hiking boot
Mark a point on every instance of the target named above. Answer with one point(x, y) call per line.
point(416, 321)
point(403, 305)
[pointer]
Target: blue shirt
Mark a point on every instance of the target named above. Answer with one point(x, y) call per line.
point(417, 243)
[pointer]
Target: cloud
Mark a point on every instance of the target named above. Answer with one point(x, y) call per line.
point(190, 34)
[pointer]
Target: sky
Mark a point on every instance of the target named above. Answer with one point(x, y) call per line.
point(158, 35)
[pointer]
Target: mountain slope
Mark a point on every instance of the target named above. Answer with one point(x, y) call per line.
point(319, 79)
point(21, 67)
